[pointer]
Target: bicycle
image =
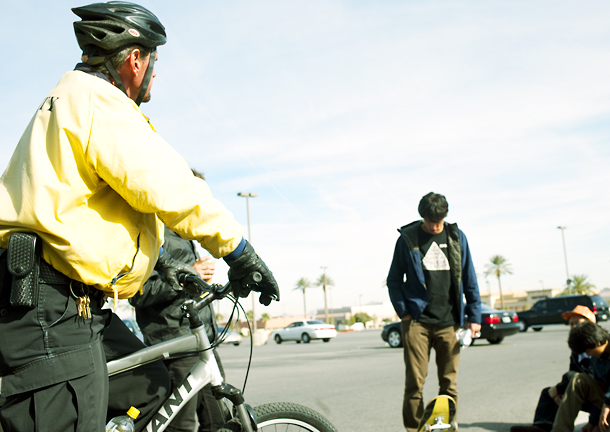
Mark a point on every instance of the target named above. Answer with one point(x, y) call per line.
point(242, 418)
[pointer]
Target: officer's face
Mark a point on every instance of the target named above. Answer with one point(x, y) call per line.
point(433, 227)
point(147, 61)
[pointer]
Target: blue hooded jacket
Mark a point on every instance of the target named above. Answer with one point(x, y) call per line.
point(406, 283)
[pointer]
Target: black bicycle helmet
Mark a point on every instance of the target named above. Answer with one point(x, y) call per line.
point(107, 28)
point(116, 24)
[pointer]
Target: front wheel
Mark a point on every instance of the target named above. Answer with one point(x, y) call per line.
point(278, 339)
point(305, 338)
point(284, 416)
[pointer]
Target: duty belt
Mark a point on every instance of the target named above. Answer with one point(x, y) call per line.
point(48, 275)
point(28, 270)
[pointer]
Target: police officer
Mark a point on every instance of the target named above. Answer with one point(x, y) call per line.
point(83, 202)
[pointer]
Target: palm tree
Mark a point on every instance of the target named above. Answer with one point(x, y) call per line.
point(302, 285)
point(325, 281)
point(579, 285)
point(497, 266)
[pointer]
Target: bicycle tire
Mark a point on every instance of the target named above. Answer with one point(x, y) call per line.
point(294, 417)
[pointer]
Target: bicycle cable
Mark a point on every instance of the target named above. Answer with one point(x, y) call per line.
point(225, 333)
point(243, 390)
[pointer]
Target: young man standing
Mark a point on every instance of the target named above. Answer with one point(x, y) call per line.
point(431, 273)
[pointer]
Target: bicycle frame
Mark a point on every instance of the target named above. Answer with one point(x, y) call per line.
point(205, 371)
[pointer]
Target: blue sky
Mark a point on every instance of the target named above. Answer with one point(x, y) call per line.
point(341, 115)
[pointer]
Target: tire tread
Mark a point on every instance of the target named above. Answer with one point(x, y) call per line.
point(288, 410)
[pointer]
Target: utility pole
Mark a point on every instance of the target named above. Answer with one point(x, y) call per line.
point(324, 288)
point(249, 195)
point(565, 257)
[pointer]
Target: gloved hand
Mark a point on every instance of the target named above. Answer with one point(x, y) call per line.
point(247, 262)
point(170, 269)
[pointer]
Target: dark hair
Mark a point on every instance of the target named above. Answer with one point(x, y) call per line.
point(586, 336)
point(434, 207)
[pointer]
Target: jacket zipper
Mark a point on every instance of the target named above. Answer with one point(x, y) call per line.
point(116, 279)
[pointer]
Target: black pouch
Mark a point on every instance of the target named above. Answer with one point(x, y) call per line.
point(22, 261)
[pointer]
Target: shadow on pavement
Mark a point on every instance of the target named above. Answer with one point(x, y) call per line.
point(502, 427)
point(485, 426)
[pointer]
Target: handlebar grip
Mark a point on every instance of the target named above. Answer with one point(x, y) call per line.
point(252, 278)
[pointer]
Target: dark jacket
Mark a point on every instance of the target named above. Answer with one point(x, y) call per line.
point(600, 369)
point(158, 308)
point(406, 282)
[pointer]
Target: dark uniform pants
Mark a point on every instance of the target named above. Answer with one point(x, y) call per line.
point(53, 366)
point(52, 363)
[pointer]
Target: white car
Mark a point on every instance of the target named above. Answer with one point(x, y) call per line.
point(233, 337)
point(305, 331)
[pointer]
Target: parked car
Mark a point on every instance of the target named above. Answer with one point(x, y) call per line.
point(233, 338)
point(495, 326)
point(305, 331)
point(549, 310)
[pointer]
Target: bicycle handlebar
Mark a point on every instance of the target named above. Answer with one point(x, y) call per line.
point(215, 291)
point(210, 293)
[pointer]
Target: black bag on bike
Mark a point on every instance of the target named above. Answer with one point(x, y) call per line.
point(22, 261)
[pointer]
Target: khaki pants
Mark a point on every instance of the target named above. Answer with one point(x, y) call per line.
point(418, 340)
point(582, 388)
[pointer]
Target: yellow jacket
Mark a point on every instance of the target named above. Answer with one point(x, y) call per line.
point(90, 177)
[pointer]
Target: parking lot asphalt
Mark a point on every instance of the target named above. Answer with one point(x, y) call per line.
point(356, 380)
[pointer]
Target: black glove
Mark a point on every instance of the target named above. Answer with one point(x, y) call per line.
point(240, 268)
point(170, 269)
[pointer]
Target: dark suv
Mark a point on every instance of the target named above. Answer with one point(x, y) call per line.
point(548, 311)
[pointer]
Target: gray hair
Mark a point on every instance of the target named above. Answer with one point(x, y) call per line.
point(118, 59)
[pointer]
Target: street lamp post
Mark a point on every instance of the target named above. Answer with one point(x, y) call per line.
point(249, 195)
point(565, 257)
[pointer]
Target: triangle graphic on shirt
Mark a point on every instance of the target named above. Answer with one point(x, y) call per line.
point(435, 259)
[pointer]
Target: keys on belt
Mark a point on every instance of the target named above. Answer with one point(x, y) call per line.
point(82, 301)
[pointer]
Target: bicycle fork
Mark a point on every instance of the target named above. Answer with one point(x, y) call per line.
point(244, 412)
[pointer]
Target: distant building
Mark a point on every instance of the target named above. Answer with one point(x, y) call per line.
point(378, 312)
point(518, 300)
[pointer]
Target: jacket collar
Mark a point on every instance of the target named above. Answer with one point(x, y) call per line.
point(84, 67)
point(409, 232)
